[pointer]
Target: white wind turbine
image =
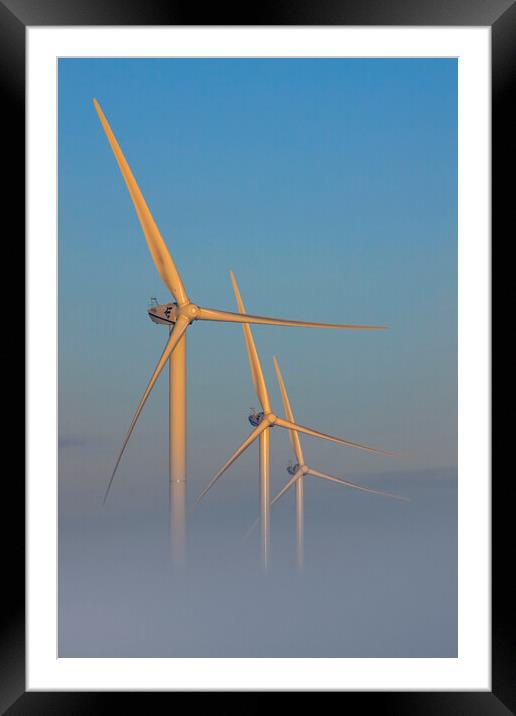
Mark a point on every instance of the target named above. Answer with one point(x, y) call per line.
point(300, 469)
point(263, 422)
point(178, 316)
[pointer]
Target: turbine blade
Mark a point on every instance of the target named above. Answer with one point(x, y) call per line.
point(247, 442)
point(287, 486)
point(159, 251)
point(294, 437)
point(175, 335)
point(256, 369)
point(339, 480)
point(213, 314)
point(314, 433)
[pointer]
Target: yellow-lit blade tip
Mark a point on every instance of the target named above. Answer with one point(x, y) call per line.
point(155, 242)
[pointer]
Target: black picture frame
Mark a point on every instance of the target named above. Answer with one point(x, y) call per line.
point(15, 16)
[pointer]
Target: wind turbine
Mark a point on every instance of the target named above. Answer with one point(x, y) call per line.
point(177, 315)
point(300, 469)
point(262, 423)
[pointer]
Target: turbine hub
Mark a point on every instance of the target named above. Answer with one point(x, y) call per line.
point(271, 418)
point(190, 311)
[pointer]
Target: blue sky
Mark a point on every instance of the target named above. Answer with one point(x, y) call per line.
point(329, 187)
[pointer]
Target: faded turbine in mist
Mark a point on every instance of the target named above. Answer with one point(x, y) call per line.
point(300, 469)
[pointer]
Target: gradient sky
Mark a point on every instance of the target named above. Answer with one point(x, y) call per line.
point(329, 187)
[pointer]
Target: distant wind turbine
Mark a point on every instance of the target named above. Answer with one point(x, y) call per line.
point(300, 469)
point(178, 316)
point(262, 423)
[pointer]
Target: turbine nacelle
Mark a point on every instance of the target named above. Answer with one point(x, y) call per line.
point(168, 313)
point(292, 468)
point(255, 418)
point(267, 419)
point(163, 313)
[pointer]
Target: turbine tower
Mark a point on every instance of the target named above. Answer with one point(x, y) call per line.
point(263, 422)
point(178, 316)
point(300, 469)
